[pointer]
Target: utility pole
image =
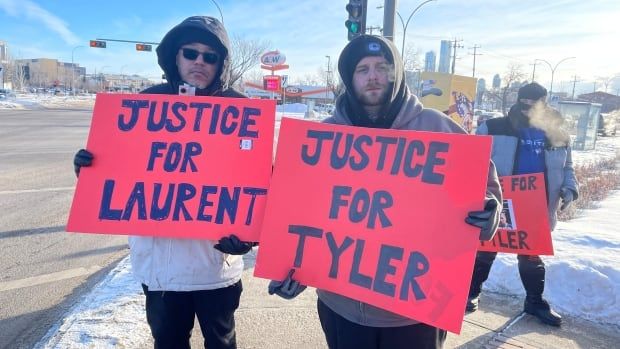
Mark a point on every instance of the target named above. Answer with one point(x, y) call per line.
point(473, 74)
point(455, 45)
point(534, 71)
point(389, 15)
point(374, 28)
point(574, 83)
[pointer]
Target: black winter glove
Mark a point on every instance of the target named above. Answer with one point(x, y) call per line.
point(487, 220)
point(287, 288)
point(567, 198)
point(232, 245)
point(82, 158)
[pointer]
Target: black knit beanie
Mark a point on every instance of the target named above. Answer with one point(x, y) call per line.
point(533, 91)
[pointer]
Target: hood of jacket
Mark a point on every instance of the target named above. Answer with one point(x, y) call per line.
point(203, 29)
point(398, 92)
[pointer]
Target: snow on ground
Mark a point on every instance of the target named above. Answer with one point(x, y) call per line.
point(583, 279)
point(47, 101)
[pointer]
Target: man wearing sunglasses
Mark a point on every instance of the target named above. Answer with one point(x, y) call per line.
point(183, 278)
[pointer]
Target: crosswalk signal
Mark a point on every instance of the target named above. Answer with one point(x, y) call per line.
point(143, 47)
point(97, 43)
point(356, 24)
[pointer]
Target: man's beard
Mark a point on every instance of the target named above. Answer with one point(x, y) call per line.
point(373, 101)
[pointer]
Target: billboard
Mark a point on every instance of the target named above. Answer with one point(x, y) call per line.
point(452, 94)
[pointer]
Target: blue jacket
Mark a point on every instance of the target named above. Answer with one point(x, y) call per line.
point(559, 172)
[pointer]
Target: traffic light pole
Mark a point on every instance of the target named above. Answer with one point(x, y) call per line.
point(130, 41)
point(389, 15)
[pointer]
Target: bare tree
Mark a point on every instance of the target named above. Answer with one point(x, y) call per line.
point(411, 58)
point(245, 56)
point(515, 74)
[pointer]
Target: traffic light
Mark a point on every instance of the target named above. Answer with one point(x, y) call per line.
point(356, 24)
point(97, 43)
point(143, 47)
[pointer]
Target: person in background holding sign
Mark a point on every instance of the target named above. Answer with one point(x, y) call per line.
point(530, 140)
point(376, 96)
point(183, 278)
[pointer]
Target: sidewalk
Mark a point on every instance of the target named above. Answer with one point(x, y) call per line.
point(115, 319)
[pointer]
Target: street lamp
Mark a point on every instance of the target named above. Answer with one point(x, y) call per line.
point(102, 77)
point(553, 68)
point(218, 8)
point(406, 24)
point(73, 69)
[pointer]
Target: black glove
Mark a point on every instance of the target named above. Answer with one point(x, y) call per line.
point(82, 158)
point(232, 245)
point(567, 198)
point(287, 288)
point(487, 220)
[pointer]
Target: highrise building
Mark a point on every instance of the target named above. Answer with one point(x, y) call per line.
point(4, 52)
point(429, 61)
point(497, 81)
point(445, 53)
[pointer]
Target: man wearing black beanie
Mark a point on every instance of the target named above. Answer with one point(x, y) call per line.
point(376, 96)
point(530, 140)
point(187, 278)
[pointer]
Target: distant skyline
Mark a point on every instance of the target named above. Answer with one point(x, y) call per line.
point(306, 31)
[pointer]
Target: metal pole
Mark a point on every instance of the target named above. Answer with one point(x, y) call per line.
point(389, 14)
point(219, 9)
point(327, 77)
point(406, 24)
point(553, 72)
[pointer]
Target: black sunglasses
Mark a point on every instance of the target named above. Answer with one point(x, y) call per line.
point(207, 57)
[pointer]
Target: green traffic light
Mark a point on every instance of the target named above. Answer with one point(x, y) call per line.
point(354, 27)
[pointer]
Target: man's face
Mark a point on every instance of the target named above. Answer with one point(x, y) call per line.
point(371, 80)
point(194, 69)
point(502, 219)
point(527, 104)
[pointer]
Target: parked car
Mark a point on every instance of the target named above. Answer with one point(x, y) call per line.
point(606, 125)
point(486, 115)
point(5, 93)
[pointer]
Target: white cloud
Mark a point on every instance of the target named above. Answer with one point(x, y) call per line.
point(32, 11)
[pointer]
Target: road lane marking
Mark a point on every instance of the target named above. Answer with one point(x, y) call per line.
point(23, 191)
point(46, 278)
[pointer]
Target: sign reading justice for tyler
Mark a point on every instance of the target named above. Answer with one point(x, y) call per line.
point(524, 221)
point(176, 166)
point(377, 215)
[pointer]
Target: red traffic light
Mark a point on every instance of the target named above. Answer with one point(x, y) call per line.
point(143, 47)
point(97, 43)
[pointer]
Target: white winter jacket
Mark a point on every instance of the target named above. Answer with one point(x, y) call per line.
point(165, 264)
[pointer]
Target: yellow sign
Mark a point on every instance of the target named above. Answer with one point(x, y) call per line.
point(452, 94)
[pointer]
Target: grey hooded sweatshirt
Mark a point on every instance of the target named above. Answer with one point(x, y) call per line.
point(407, 113)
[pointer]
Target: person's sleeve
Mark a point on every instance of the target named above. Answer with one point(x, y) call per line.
point(570, 180)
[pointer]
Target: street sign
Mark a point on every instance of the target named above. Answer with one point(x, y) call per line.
point(273, 58)
point(272, 82)
point(284, 81)
point(292, 89)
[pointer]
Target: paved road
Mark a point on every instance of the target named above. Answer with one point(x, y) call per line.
point(43, 269)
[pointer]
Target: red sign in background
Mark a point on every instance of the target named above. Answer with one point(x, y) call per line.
point(381, 222)
point(524, 228)
point(176, 166)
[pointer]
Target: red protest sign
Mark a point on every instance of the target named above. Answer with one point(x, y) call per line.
point(524, 221)
point(176, 166)
point(376, 215)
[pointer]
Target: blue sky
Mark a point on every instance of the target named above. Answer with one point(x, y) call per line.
point(308, 30)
